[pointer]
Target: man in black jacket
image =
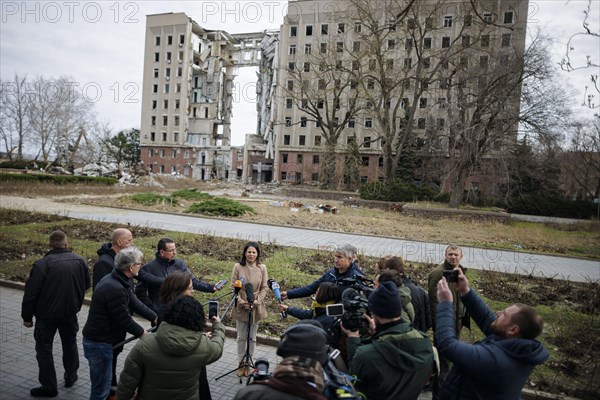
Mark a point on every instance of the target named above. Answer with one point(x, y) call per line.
point(153, 274)
point(121, 239)
point(109, 320)
point(54, 294)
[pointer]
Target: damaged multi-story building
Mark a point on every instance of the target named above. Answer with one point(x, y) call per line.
point(304, 119)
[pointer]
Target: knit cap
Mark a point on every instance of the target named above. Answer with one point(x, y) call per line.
point(306, 339)
point(385, 301)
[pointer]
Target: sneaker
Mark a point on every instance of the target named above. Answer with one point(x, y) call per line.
point(42, 392)
point(70, 382)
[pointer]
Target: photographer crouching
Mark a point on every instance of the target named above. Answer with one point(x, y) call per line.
point(299, 375)
point(395, 361)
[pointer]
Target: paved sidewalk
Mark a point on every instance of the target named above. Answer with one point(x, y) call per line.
point(574, 269)
point(18, 366)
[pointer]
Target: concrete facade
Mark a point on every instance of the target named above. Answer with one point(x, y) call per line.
point(189, 73)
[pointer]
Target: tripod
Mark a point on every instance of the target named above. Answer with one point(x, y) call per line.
point(247, 361)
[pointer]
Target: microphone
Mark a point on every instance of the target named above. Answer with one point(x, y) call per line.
point(274, 286)
point(237, 286)
point(249, 293)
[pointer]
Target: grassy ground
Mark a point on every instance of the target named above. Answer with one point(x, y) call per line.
point(572, 329)
point(579, 240)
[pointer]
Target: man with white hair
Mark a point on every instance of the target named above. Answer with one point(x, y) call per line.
point(109, 320)
point(344, 268)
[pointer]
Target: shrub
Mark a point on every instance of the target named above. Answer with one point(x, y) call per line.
point(551, 206)
point(24, 164)
point(221, 207)
point(191, 194)
point(58, 179)
point(149, 199)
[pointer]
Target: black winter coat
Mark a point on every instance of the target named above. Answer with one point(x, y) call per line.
point(420, 301)
point(108, 319)
point(105, 263)
point(56, 286)
point(153, 274)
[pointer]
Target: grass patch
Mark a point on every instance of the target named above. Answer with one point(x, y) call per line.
point(221, 207)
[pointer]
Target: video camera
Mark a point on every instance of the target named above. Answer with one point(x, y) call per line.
point(358, 282)
point(351, 311)
point(355, 307)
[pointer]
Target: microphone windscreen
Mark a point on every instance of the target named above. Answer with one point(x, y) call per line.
point(349, 294)
point(277, 292)
point(249, 293)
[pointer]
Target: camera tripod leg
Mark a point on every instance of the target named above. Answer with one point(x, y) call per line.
point(246, 363)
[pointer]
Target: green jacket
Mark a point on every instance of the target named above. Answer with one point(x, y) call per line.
point(166, 365)
point(408, 310)
point(432, 280)
point(393, 364)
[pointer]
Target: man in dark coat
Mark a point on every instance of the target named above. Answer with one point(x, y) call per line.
point(109, 320)
point(121, 238)
point(345, 268)
point(452, 258)
point(497, 367)
point(153, 274)
point(396, 361)
point(54, 294)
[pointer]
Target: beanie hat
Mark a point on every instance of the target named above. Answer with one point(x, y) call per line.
point(306, 339)
point(385, 301)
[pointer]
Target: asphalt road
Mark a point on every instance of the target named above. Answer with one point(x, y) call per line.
point(574, 269)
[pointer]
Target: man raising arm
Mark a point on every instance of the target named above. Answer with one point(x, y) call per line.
point(497, 367)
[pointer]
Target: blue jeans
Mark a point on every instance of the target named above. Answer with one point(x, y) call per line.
point(99, 356)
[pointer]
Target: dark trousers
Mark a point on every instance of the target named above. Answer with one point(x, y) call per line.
point(44, 332)
point(204, 387)
point(116, 353)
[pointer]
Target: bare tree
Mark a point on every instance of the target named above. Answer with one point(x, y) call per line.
point(403, 67)
point(485, 111)
point(321, 88)
point(58, 113)
point(573, 61)
point(581, 162)
point(14, 107)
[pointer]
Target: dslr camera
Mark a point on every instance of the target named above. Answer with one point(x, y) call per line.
point(261, 371)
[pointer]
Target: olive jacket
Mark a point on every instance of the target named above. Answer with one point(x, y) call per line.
point(166, 365)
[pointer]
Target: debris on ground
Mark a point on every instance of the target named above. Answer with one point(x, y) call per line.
point(296, 206)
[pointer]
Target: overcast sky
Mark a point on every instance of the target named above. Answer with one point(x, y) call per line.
point(100, 44)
